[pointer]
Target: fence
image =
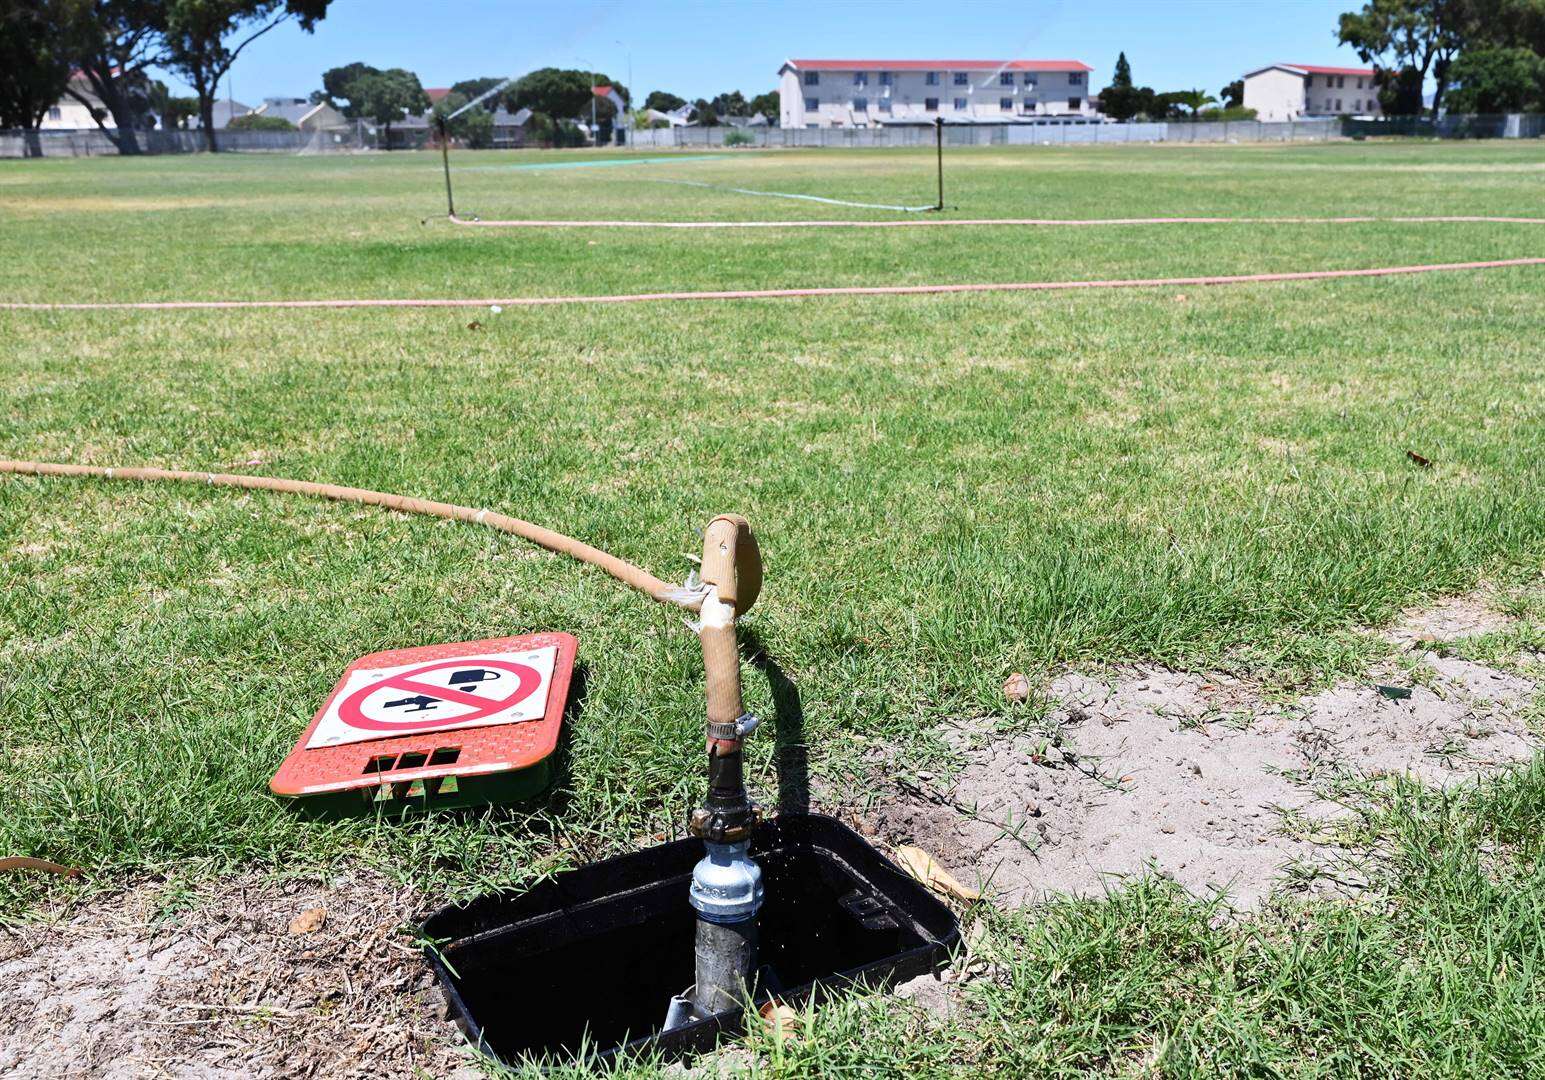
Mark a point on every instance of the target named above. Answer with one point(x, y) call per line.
point(93, 142)
point(359, 137)
point(1512, 126)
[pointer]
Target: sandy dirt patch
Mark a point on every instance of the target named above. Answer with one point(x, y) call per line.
point(213, 984)
point(1202, 779)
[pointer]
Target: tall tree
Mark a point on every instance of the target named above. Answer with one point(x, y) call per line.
point(203, 38)
point(1123, 75)
point(663, 101)
point(471, 88)
point(386, 96)
point(34, 63)
point(113, 42)
point(563, 94)
point(1423, 36)
point(1498, 79)
point(1233, 95)
point(336, 83)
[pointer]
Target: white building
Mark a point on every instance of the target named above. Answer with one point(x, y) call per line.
point(872, 93)
point(69, 114)
point(1295, 91)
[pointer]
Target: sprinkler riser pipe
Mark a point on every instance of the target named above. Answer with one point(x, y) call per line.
point(726, 965)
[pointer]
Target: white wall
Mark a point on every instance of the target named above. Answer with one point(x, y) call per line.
point(1276, 94)
point(841, 102)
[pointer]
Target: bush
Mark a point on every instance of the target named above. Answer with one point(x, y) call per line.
point(259, 122)
point(738, 138)
point(1233, 112)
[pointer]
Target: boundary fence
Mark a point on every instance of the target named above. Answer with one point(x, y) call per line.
point(88, 143)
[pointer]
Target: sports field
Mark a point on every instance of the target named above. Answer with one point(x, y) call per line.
point(1215, 481)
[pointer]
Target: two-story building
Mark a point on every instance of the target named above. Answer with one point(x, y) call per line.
point(1295, 91)
point(874, 93)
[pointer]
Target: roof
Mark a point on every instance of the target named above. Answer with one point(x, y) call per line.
point(291, 112)
point(1313, 69)
point(938, 65)
point(436, 93)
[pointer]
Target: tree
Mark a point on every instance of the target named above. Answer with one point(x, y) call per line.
point(471, 88)
point(1496, 79)
point(733, 103)
point(563, 94)
point(1233, 95)
point(112, 43)
point(336, 83)
point(34, 64)
point(767, 105)
point(174, 111)
point(1123, 75)
point(259, 122)
point(475, 127)
point(704, 114)
point(1121, 100)
point(1420, 35)
point(386, 96)
point(663, 101)
point(203, 38)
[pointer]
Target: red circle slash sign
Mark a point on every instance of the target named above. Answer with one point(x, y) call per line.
point(349, 711)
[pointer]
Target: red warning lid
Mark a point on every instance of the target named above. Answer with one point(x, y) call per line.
point(471, 708)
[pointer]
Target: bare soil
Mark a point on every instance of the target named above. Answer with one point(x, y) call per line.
point(1203, 779)
point(156, 982)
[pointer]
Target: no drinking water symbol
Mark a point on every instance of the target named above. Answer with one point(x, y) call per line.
point(432, 696)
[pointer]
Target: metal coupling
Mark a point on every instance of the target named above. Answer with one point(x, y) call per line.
point(727, 884)
point(739, 728)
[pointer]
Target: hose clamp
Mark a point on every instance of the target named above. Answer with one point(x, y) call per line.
point(739, 728)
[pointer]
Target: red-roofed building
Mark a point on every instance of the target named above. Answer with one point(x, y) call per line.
point(877, 93)
point(1295, 91)
point(436, 93)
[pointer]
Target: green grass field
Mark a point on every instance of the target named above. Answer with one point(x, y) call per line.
point(947, 489)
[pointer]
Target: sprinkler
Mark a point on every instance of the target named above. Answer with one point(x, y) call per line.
point(726, 887)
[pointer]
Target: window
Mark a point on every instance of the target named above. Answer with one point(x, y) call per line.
point(1006, 104)
point(812, 104)
point(1074, 104)
point(861, 78)
point(1359, 84)
point(55, 113)
point(1006, 78)
point(812, 78)
point(1341, 81)
point(962, 79)
point(1028, 106)
point(1338, 104)
point(1029, 78)
point(860, 104)
point(1076, 79)
point(932, 78)
point(885, 78)
point(960, 104)
point(885, 104)
point(931, 104)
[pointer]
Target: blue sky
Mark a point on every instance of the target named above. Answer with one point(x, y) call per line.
point(697, 49)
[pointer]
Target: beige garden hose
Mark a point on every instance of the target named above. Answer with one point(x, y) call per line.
point(730, 578)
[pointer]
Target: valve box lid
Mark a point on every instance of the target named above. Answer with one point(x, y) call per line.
point(439, 725)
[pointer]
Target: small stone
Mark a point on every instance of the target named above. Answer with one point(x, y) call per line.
point(308, 921)
point(1167, 829)
point(1016, 687)
point(1195, 768)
